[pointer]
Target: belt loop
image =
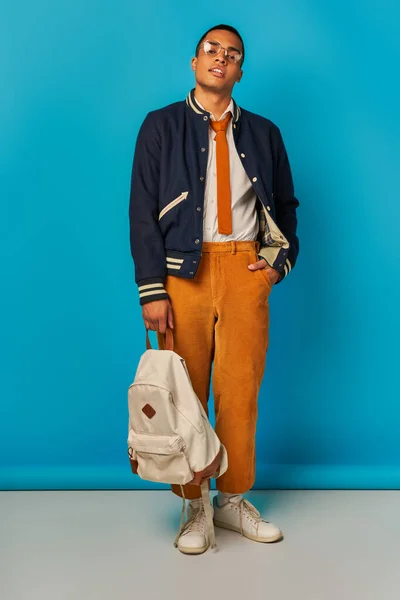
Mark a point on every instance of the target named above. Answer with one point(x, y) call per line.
point(233, 247)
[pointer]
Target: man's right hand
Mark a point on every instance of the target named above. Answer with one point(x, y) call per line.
point(157, 315)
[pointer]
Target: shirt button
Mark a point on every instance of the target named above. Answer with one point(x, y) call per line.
point(198, 208)
point(201, 178)
point(268, 208)
point(205, 118)
point(197, 241)
point(191, 273)
point(194, 262)
point(243, 155)
point(254, 179)
point(234, 127)
point(203, 149)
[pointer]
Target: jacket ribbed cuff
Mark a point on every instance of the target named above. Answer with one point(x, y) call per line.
point(286, 269)
point(151, 290)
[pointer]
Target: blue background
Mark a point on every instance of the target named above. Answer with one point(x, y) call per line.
point(77, 80)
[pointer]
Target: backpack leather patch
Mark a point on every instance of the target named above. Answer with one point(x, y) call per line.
point(148, 411)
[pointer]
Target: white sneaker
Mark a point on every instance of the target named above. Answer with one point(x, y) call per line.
point(194, 537)
point(238, 514)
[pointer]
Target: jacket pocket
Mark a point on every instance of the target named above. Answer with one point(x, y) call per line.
point(160, 458)
point(172, 204)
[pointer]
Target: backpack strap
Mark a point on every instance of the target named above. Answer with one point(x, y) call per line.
point(205, 494)
point(182, 517)
point(169, 340)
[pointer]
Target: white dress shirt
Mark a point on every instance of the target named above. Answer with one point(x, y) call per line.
point(243, 197)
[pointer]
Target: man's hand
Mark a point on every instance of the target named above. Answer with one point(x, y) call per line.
point(157, 315)
point(273, 274)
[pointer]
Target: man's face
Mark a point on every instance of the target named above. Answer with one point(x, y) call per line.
point(215, 72)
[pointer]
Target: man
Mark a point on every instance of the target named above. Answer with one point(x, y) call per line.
point(213, 228)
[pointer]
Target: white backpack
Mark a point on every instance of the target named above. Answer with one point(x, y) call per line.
point(170, 439)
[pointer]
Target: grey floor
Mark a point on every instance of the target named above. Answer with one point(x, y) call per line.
point(338, 545)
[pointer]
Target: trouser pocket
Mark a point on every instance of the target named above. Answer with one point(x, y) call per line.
point(265, 276)
point(262, 272)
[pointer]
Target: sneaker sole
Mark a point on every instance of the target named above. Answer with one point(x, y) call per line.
point(185, 550)
point(271, 540)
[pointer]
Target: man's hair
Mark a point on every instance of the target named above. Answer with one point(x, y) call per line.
point(224, 28)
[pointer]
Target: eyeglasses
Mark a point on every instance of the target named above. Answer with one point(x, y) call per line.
point(214, 48)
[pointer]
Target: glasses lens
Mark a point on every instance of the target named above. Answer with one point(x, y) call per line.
point(233, 56)
point(212, 48)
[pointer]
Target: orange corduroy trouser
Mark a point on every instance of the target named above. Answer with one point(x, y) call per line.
point(221, 318)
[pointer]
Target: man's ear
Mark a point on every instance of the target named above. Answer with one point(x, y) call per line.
point(240, 76)
point(194, 63)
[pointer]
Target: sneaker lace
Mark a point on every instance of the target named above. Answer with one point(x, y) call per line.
point(197, 521)
point(245, 507)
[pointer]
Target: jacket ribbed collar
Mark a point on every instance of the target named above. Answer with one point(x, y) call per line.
point(194, 105)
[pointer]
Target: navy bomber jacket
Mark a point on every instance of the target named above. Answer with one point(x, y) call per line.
point(167, 193)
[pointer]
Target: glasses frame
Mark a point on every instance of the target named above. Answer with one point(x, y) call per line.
point(234, 62)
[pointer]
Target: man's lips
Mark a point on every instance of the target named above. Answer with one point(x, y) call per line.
point(217, 72)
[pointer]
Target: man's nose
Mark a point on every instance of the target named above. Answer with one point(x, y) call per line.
point(221, 57)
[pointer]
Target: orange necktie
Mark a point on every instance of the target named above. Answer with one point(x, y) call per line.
point(224, 208)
